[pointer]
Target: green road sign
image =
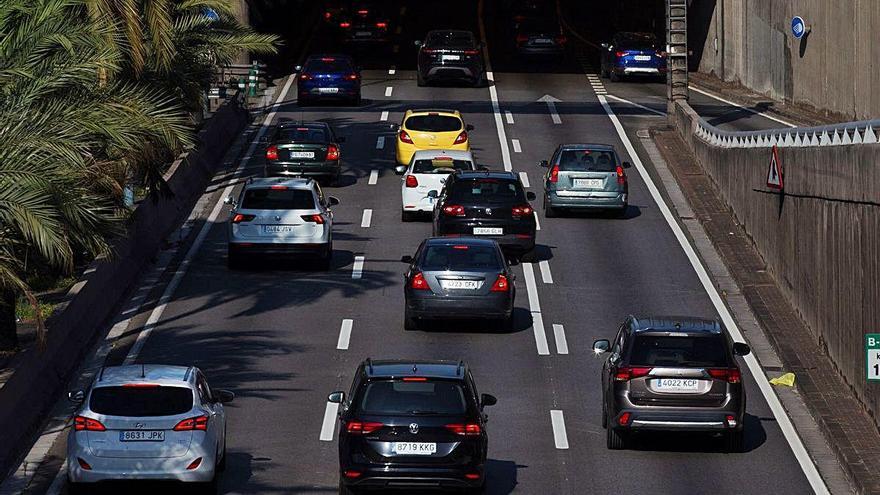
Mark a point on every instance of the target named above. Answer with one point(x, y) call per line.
point(872, 356)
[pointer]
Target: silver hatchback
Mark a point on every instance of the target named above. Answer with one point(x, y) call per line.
point(584, 177)
point(281, 216)
point(147, 422)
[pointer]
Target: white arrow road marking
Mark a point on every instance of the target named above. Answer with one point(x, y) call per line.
point(551, 107)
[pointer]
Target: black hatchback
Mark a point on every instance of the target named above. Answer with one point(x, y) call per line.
point(412, 425)
point(489, 205)
point(307, 149)
point(450, 55)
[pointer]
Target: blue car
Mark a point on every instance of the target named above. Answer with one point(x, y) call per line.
point(633, 54)
point(328, 77)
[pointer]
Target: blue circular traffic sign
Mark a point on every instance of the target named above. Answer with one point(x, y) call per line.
point(798, 27)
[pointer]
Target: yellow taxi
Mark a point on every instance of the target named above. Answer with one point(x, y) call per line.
point(431, 130)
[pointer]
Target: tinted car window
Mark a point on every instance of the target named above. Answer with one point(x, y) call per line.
point(649, 350)
point(440, 166)
point(137, 401)
point(486, 191)
point(539, 25)
point(433, 123)
point(587, 161)
point(399, 397)
point(323, 65)
point(455, 39)
point(278, 199)
point(460, 257)
point(302, 134)
point(637, 42)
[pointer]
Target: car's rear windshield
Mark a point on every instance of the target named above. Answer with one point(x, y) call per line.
point(539, 25)
point(451, 39)
point(488, 190)
point(302, 134)
point(441, 165)
point(141, 401)
point(460, 257)
point(587, 161)
point(637, 42)
point(400, 397)
point(433, 123)
point(703, 351)
point(277, 199)
point(328, 65)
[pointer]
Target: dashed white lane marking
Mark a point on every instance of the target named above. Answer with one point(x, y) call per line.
point(722, 100)
point(516, 146)
point(392, 71)
point(357, 268)
point(345, 334)
point(388, 90)
point(367, 218)
point(508, 117)
point(643, 107)
point(380, 142)
point(537, 222)
point(396, 48)
point(560, 438)
point(561, 343)
point(524, 178)
point(374, 177)
point(328, 426)
point(535, 308)
point(546, 276)
point(384, 115)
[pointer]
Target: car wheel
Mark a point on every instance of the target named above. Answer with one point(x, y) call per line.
point(529, 256)
point(409, 323)
point(506, 324)
point(326, 259)
point(406, 216)
point(420, 80)
point(604, 413)
point(477, 490)
point(616, 439)
point(76, 488)
point(356, 101)
point(614, 76)
point(233, 260)
point(346, 490)
point(549, 211)
point(735, 441)
point(221, 466)
point(302, 102)
point(207, 488)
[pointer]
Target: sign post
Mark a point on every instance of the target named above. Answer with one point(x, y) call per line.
point(872, 356)
point(774, 174)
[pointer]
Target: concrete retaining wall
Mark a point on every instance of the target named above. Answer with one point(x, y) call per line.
point(820, 240)
point(836, 67)
point(34, 387)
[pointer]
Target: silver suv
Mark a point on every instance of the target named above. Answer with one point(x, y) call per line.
point(153, 422)
point(281, 216)
point(585, 177)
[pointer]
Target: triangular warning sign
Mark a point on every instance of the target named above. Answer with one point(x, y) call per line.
point(774, 175)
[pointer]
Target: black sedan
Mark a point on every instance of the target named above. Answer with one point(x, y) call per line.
point(365, 24)
point(450, 55)
point(458, 278)
point(540, 37)
point(308, 149)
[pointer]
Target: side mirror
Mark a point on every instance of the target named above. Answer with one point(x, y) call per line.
point(393, 127)
point(229, 200)
point(400, 169)
point(741, 349)
point(469, 127)
point(223, 396)
point(332, 200)
point(433, 193)
point(340, 139)
point(544, 163)
point(76, 396)
point(627, 165)
point(601, 346)
point(418, 43)
point(336, 397)
point(406, 259)
point(605, 46)
point(298, 68)
point(488, 400)
point(531, 196)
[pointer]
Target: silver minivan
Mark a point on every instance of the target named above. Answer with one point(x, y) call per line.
point(584, 177)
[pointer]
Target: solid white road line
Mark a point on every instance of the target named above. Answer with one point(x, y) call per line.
point(546, 276)
point(643, 107)
point(374, 177)
point(722, 100)
point(516, 146)
point(493, 94)
point(537, 222)
point(384, 116)
point(380, 142)
point(388, 90)
point(156, 314)
point(535, 309)
point(508, 117)
point(561, 343)
point(524, 178)
point(344, 334)
point(782, 419)
point(560, 438)
point(357, 268)
point(328, 426)
point(367, 218)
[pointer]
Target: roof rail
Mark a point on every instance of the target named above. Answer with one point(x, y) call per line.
point(186, 375)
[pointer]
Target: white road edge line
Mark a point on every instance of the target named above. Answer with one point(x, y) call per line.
point(516, 146)
point(508, 116)
point(782, 419)
point(344, 334)
point(374, 177)
point(367, 218)
point(380, 142)
point(535, 309)
point(384, 115)
point(643, 107)
point(722, 100)
point(156, 314)
point(559, 335)
point(357, 268)
point(560, 438)
point(546, 276)
point(388, 90)
point(524, 178)
point(328, 426)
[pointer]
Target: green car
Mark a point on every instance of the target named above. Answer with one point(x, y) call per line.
point(585, 177)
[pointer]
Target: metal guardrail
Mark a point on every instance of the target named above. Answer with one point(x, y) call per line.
point(862, 132)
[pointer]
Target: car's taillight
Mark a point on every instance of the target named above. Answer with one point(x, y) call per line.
point(621, 175)
point(332, 152)
point(620, 54)
point(272, 152)
point(362, 427)
point(404, 136)
point(345, 24)
point(418, 282)
point(305, 77)
point(412, 181)
point(731, 375)
point(428, 50)
point(363, 12)
point(352, 474)
point(623, 420)
point(83, 464)
point(625, 373)
point(471, 52)
point(194, 464)
point(241, 217)
point(382, 25)
point(190, 424)
point(328, 15)
point(468, 430)
point(81, 423)
point(522, 38)
point(554, 174)
point(316, 218)
point(461, 138)
point(454, 210)
point(561, 39)
point(521, 211)
point(660, 54)
point(351, 77)
point(501, 284)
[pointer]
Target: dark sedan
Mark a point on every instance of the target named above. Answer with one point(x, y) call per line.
point(365, 23)
point(450, 56)
point(309, 149)
point(458, 278)
point(539, 37)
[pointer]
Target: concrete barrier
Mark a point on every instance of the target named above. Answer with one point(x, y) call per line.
point(35, 386)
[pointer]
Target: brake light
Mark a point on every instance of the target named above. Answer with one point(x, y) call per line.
point(461, 247)
point(522, 38)
point(660, 54)
point(351, 474)
point(501, 284)
point(623, 420)
point(141, 385)
point(361, 427)
point(428, 50)
point(626, 373)
point(278, 187)
point(468, 430)
point(521, 211)
point(81, 423)
point(731, 375)
point(345, 24)
point(363, 12)
point(332, 152)
point(412, 181)
point(418, 282)
point(241, 217)
point(620, 54)
point(83, 464)
point(461, 138)
point(305, 77)
point(192, 424)
point(554, 174)
point(351, 77)
point(454, 210)
point(404, 136)
point(328, 15)
point(382, 25)
point(415, 379)
point(561, 39)
point(272, 152)
point(621, 175)
point(471, 52)
point(316, 218)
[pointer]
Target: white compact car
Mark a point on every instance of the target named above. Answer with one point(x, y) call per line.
point(426, 172)
point(147, 422)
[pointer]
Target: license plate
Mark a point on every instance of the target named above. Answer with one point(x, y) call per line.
point(589, 183)
point(413, 448)
point(460, 284)
point(362, 33)
point(677, 384)
point(328, 90)
point(642, 58)
point(450, 57)
point(488, 231)
point(543, 41)
point(277, 229)
point(302, 154)
point(142, 436)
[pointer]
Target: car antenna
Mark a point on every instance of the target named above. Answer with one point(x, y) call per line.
point(415, 368)
point(143, 372)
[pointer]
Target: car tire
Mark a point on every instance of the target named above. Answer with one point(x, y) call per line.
point(529, 256)
point(208, 487)
point(409, 322)
point(326, 259)
point(420, 80)
point(616, 439)
point(356, 101)
point(614, 77)
point(76, 488)
point(506, 324)
point(604, 413)
point(233, 260)
point(549, 211)
point(621, 213)
point(302, 102)
point(346, 490)
point(406, 216)
point(476, 490)
point(735, 441)
point(221, 466)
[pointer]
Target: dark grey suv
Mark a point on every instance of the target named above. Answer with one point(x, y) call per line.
point(672, 374)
